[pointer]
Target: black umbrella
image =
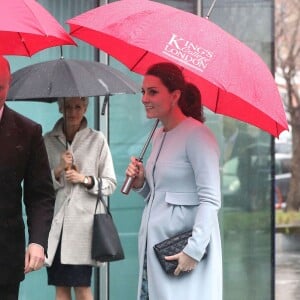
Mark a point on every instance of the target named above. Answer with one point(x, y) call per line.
point(61, 78)
point(47, 81)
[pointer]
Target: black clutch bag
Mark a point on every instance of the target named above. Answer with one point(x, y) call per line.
point(169, 247)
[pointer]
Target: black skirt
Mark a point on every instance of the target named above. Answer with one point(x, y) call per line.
point(68, 275)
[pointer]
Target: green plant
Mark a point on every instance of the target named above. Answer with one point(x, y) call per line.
point(287, 222)
point(240, 220)
point(287, 217)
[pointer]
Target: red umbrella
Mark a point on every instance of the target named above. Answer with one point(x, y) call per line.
point(26, 27)
point(234, 81)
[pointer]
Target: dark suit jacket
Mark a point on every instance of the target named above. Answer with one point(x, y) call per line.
point(24, 171)
point(242, 143)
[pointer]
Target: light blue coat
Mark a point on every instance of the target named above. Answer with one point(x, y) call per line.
point(182, 191)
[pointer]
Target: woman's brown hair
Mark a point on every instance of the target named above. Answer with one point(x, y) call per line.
point(171, 76)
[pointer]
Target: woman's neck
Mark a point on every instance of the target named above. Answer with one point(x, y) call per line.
point(71, 132)
point(173, 121)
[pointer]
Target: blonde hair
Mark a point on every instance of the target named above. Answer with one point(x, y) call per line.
point(61, 100)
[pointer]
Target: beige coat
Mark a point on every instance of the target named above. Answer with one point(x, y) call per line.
point(74, 206)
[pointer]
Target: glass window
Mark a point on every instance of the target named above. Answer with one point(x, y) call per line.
point(246, 168)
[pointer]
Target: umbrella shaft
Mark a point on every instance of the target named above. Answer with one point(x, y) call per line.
point(129, 180)
point(148, 141)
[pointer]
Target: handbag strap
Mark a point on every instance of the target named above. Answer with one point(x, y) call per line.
point(100, 198)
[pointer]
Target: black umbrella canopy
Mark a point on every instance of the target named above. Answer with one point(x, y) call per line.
point(47, 81)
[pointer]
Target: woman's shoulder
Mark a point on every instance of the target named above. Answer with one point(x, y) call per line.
point(95, 132)
point(56, 130)
point(193, 126)
point(196, 130)
point(51, 134)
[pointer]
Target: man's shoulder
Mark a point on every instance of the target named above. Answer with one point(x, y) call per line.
point(21, 119)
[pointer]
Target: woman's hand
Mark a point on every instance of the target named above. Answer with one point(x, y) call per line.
point(66, 162)
point(74, 176)
point(185, 262)
point(136, 170)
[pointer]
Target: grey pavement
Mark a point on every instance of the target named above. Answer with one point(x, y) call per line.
point(287, 276)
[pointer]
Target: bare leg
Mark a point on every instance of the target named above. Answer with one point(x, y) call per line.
point(83, 293)
point(63, 293)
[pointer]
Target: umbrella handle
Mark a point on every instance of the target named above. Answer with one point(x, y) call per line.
point(127, 185)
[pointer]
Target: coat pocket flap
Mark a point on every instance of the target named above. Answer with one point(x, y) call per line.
point(182, 198)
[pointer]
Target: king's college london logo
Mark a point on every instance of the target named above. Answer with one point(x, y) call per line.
point(188, 52)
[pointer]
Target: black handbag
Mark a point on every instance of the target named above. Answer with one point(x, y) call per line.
point(169, 247)
point(106, 244)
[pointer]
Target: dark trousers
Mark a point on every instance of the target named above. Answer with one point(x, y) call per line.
point(9, 291)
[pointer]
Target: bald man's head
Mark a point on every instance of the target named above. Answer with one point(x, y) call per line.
point(4, 79)
point(4, 63)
